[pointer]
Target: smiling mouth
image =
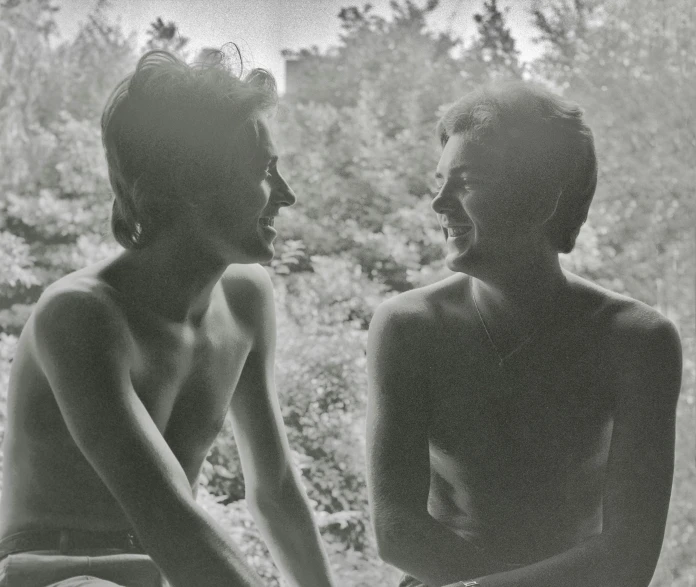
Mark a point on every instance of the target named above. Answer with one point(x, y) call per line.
point(455, 231)
point(266, 221)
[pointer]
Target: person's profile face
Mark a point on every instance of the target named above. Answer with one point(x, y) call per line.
point(467, 192)
point(475, 204)
point(241, 218)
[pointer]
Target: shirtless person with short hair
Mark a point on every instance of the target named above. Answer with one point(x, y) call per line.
point(520, 418)
point(126, 369)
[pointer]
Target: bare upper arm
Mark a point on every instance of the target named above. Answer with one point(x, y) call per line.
point(398, 412)
point(83, 347)
point(255, 411)
point(641, 458)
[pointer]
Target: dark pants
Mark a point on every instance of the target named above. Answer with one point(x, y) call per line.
point(88, 569)
point(70, 558)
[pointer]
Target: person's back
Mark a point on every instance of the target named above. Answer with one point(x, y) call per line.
point(520, 418)
point(126, 369)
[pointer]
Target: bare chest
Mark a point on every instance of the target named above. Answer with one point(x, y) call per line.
point(186, 379)
point(533, 423)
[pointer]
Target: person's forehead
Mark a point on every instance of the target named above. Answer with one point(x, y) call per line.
point(265, 147)
point(254, 147)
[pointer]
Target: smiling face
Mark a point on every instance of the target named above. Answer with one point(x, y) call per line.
point(478, 210)
point(238, 224)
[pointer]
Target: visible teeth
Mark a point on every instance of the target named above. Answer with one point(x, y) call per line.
point(266, 221)
point(455, 231)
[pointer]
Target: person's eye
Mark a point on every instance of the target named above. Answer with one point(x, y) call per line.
point(268, 174)
point(455, 184)
point(271, 171)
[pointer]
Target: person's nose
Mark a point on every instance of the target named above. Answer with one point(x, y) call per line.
point(443, 201)
point(284, 194)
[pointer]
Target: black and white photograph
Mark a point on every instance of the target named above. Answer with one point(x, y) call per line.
point(337, 293)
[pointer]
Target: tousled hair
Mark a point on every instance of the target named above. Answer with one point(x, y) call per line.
point(168, 131)
point(545, 149)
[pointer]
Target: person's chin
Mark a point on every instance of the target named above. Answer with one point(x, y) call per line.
point(260, 251)
point(458, 255)
point(262, 254)
point(268, 254)
point(267, 249)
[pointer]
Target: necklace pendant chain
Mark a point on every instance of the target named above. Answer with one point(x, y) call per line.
point(501, 358)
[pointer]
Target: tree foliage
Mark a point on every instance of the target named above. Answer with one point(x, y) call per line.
point(633, 70)
point(494, 53)
point(166, 37)
point(356, 132)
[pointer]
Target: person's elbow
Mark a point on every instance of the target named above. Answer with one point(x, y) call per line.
point(392, 533)
point(276, 502)
point(388, 548)
point(630, 561)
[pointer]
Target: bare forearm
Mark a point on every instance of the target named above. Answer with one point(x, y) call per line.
point(192, 549)
point(424, 548)
point(597, 561)
point(288, 528)
point(184, 541)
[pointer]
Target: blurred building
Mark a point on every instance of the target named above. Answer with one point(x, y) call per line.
point(293, 74)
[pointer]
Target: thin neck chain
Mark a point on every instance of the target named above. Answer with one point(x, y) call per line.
point(505, 357)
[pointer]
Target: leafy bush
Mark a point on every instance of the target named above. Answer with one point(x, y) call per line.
point(358, 147)
point(8, 344)
point(321, 380)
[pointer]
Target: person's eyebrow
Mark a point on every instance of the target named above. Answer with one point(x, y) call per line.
point(267, 159)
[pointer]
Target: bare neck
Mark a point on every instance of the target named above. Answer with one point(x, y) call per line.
point(171, 278)
point(520, 294)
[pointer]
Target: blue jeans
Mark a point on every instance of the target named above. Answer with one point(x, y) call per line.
point(93, 568)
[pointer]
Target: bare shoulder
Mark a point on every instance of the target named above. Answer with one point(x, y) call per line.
point(247, 286)
point(414, 314)
point(644, 334)
point(78, 312)
point(619, 312)
point(631, 320)
point(248, 290)
point(643, 343)
point(80, 299)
